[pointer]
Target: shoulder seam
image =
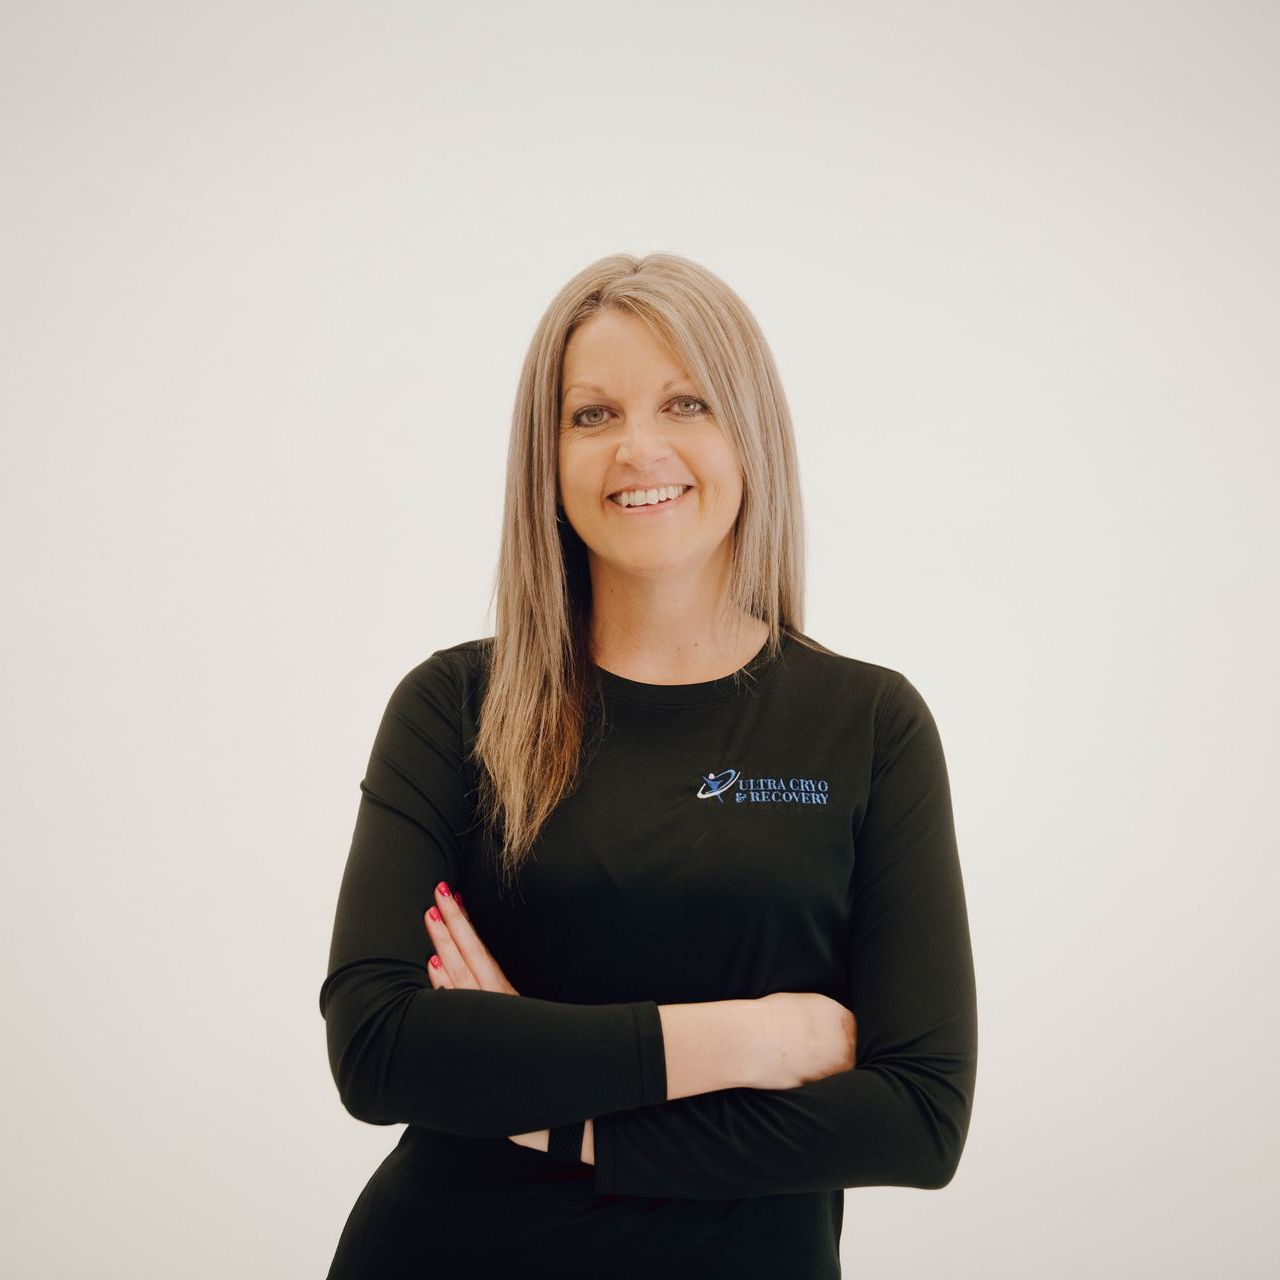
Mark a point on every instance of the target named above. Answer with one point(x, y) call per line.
point(889, 699)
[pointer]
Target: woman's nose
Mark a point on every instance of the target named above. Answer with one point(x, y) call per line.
point(644, 439)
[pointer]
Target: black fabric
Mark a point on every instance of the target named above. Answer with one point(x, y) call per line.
point(789, 832)
point(564, 1142)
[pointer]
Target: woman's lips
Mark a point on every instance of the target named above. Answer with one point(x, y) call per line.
point(650, 509)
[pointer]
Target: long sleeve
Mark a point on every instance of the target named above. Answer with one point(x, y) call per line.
point(473, 1063)
point(901, 1116)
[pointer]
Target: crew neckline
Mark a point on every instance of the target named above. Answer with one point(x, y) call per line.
point(721, 689)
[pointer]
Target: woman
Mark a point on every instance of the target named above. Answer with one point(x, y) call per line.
point(652, 931)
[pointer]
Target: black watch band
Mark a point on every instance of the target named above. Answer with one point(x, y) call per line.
point(565, 1143)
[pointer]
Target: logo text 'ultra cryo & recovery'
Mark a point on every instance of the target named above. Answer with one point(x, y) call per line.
point(763, 790)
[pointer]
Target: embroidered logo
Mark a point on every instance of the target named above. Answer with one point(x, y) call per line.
point(763, 790)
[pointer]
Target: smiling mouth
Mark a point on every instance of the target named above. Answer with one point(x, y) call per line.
point(651, 506)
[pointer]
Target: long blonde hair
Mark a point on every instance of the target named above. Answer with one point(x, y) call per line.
point(542, 695)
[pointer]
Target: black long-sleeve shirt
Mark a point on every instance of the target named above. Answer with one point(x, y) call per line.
point(792, 833)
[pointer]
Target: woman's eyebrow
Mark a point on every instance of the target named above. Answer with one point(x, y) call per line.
point(600, 391)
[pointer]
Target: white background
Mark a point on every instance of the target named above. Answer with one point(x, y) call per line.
point(268, 274)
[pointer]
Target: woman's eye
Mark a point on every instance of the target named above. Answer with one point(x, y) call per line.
point(577, 419)
point(691, 400)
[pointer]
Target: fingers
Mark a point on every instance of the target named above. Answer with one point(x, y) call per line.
point(464, 959)
point(435, 971)
point(449, 966)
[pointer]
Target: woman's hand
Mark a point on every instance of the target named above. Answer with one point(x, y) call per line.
point(464, 961)
point(801, 1036)
point(461, 959)
point(540, 1140)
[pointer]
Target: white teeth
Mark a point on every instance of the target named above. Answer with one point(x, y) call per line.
point(648, 497)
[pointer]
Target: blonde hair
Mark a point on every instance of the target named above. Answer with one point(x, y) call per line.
point(542, 695)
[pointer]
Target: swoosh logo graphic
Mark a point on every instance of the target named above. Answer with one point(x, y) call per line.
point(714, 783)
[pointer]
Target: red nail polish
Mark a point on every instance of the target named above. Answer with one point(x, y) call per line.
point(443, 888)
point(457, 897)
point(434, 913)
point(435, 962)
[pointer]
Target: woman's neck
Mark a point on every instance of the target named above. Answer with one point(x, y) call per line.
point(656, 653)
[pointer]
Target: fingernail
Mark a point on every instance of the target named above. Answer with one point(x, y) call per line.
point(435, 962)
point(442, 888)
point(434, 913)
point(457, 897)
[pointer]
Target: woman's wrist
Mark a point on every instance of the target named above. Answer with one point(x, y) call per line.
point(709, 1045)
point(743, 1040)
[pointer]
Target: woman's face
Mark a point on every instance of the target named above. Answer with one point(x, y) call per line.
point(630, 420)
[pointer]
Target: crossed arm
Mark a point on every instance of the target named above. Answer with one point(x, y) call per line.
point(706, 1046)
point(402, 1051)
